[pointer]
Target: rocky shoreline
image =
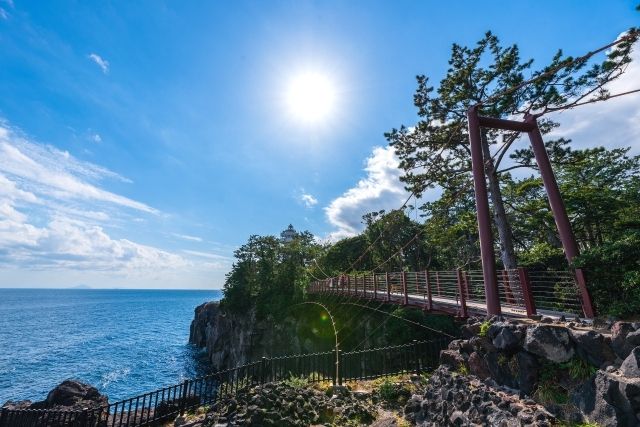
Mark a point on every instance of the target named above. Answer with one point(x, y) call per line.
point(501, 372)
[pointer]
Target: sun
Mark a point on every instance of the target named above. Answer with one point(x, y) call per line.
point(311, 97)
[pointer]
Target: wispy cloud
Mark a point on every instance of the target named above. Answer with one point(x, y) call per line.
point(57, 174)
point(101, 62)
point(308, 200)
point(54, 217)
point(208, 255)
point(187, 237)
point(612, 123)
point(3, 14)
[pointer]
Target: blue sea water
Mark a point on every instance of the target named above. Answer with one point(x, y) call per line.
point(124, 342)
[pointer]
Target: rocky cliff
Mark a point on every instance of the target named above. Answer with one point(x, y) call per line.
point(233, 339)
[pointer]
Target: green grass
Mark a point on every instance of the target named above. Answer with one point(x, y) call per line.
point(579, 369)
point(296, 382)
point(484, 328)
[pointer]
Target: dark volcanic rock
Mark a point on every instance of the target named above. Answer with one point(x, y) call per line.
point(550, 342)
point(592, 347)
point(70, 394)
point(456, 400)
point(631, 365)
point(75, 394)
point(610, 400)
point(528, 370)
point(619, 332)
point(507, 339)
point(478, 366)
point(451, 358)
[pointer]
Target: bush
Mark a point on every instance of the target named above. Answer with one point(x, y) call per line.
point(613, 275)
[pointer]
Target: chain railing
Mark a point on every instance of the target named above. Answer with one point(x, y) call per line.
point(162, 405)
point(521, 292)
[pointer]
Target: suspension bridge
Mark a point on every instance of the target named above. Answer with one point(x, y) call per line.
point(522, 293)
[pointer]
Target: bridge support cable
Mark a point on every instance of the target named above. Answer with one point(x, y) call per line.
point(336, 348)
point(420, 325)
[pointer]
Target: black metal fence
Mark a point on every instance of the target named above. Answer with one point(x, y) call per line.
point(157, 407)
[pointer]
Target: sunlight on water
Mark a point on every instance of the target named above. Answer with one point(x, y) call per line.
point(124, 342)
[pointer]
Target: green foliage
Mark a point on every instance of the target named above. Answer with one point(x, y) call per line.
point(296, 382)
point(393, 390)
point(484, 328)
point(613, 274)
point(463, 370)
point(579, 369)
point(269, 275)
point(548, 392)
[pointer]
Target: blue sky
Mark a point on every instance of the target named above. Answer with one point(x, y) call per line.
point(141, 142)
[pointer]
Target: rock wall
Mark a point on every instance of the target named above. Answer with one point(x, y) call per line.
point(233, 339)
point(579, 373)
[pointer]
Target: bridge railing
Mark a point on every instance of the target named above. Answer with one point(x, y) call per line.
point(521, 292)
point(160, 406)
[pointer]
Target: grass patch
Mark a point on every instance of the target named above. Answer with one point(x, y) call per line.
point(579, 369)
point(484, 328)
point(296, 382)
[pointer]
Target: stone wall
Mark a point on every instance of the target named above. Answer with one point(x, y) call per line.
point(579, 373)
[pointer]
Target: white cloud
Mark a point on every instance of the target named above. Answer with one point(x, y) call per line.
point(3, 14)
point(380, 189)
point(208, 255)
point(611, 123)
point(57, 174)
point(308, 200)
point(53, 217)
point(187, 237)
point(102, 63)
point(96, 138)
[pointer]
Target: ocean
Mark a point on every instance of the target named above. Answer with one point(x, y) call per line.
point(124, 342)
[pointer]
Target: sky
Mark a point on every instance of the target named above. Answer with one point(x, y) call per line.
point(142, 142)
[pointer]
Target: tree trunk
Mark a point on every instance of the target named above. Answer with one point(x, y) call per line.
point(507, 253)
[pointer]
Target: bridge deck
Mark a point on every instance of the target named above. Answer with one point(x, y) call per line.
point(552, 294)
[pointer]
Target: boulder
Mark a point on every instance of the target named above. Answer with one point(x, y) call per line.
point(507, 339)
point(551, 342)
point(528, 370)
point(592, 347)
point(71, 393)
point(610, 400)
point(619, 332)
point(477, 366)
point(451, 358)
point(500, 369)
point(631, 365)
point(630, 342)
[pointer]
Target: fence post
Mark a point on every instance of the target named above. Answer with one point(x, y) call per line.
point(429, 297)
point(263, 369)
point(463, 298)
point(348, 284)
point(587, 305)
point(386, 280)
point(416, 355)
point(183, 399)
point(339, 372)
point(438, 283)
point(404, 288)
point(375, 286)
point(527, 295)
